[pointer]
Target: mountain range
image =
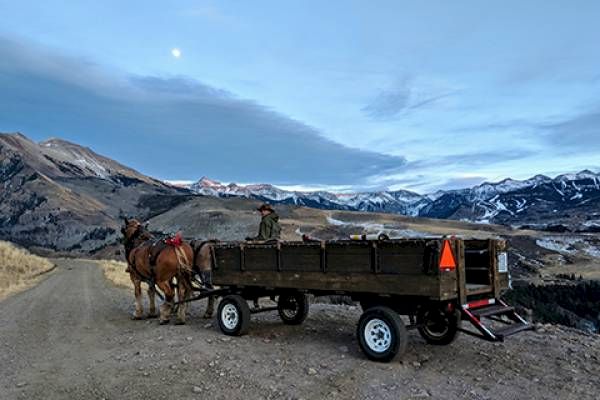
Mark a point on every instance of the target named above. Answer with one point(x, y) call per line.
point(569, 201)
point(61, 196)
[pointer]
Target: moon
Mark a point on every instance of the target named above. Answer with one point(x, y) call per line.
point(176, 52)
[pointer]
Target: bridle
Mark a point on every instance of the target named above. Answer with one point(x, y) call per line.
point(130, 242)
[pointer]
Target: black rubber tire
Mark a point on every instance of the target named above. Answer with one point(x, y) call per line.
point(365, 305)
point(293, 308)
point(398, 336)
point(242, 312)
point(438, 327)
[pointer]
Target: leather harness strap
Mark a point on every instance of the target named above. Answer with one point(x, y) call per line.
point(129, 247)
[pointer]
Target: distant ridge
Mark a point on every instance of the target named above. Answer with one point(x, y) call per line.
point(571, 199)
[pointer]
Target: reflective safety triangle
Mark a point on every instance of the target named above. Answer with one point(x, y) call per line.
point(447, 260)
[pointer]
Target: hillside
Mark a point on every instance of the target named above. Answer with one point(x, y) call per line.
point(61, 196)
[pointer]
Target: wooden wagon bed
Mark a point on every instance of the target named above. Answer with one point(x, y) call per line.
point(437, 282)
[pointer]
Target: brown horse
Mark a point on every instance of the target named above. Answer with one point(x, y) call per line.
point(203, 267)
point(157, 263)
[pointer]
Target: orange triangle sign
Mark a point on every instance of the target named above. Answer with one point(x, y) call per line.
point(447, 260)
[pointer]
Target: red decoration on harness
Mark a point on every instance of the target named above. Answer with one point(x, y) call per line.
point(175, 240)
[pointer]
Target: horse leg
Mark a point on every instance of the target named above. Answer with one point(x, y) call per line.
point(167, 306)
point(206, 277)
point(152, 299)
point(139, 308)
point(183, 293)
point(210, 307)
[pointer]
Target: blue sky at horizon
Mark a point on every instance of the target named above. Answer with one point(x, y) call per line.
point(343, 94)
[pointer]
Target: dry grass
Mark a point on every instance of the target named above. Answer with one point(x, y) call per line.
point(19, 269)
point(114, 271)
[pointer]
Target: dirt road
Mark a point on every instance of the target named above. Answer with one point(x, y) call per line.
point(70, 337)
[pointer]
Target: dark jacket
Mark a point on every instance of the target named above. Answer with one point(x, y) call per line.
point(269, 228)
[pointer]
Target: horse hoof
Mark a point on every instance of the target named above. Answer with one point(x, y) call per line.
point(152, 316)
point(179, 322)
point(137, 317)
point(164, 321)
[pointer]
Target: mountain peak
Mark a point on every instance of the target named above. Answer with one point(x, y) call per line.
point(206, 181)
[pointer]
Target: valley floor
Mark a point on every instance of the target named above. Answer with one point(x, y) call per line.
point(71, 337)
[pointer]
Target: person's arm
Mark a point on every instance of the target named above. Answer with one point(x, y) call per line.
point(263, 230)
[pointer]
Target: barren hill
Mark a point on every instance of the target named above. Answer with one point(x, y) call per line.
point(61, 196)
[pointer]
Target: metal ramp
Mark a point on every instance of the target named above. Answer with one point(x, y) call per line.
point(480, 313)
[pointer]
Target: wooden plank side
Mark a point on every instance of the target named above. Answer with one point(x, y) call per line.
point(408, 257)
point(227, 259)
point(260, 258)
point(348, 257)
point(421, 285)
point(301, 258)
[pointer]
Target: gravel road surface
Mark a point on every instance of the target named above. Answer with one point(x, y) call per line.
point(70, 337)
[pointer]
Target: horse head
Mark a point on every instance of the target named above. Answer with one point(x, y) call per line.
point(131, 228)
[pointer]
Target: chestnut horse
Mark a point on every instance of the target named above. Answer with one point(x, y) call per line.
point(172, 261)
point(203, 262)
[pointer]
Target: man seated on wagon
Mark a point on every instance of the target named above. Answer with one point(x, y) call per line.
point(269, 225)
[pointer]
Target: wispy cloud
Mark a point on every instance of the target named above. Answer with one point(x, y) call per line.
point(579, 133)
point(470, 160)
point(405, 96)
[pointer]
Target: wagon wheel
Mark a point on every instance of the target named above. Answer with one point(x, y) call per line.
point(293, 308)
point(233, 315)
point(436, 326)
point(381, 334)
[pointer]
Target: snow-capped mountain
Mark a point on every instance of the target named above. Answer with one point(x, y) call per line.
point(400, 202)
point(541, 200)
point(570, 199)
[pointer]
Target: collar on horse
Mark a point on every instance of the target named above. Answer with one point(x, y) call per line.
point(130, 243)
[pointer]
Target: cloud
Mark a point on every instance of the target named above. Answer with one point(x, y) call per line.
point(388, 103)
point(404, 97)
point(461, 182)
point(470, 160)
point(579, 133)
point(173, 127)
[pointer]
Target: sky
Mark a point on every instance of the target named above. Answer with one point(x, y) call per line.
point(340, 95)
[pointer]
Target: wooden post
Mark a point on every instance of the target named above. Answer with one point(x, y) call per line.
point(278, 256)
point(323, 257)
point(461, 272)
point(242, 258)
point(375, 258)
point(494, 281)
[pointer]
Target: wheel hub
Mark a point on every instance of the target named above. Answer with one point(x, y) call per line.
point(436, 324)
point(378, 335)
point(290, 308)
point(229, 316)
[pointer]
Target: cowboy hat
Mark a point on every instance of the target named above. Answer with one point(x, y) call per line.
point(265, 206)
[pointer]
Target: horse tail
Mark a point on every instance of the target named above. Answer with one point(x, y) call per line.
point(183, 264)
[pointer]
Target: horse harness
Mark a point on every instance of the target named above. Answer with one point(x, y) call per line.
point(156, 247)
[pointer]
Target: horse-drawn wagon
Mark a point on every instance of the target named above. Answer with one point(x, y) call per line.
point(435, 282)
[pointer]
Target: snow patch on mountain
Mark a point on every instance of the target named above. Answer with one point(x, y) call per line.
point(570, 245)
point(509, 201)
